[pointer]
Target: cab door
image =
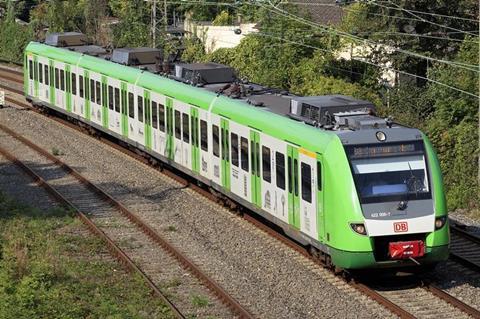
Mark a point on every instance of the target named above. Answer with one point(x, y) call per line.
point(293, 187)
point(255, 182)
point(307, 199)
point(320, 193)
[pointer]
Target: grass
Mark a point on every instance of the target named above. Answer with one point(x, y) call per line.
point(199, 301)
point(171, 228)
point(57, 152)
point(51, 267)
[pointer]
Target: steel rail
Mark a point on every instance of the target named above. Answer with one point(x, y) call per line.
point(453, 301)
point(394, 308)
point(114, 249)
point(397, 310)
point(213, 286)
point(458, 230)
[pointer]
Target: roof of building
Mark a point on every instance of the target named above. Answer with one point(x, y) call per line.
point(321, 11)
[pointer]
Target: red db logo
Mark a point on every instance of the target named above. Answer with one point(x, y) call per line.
point(400, 227)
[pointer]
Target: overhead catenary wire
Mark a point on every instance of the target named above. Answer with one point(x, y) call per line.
point(319, 4)
point(356, 59)
point(423, 19)
point(375, 64)
point(275, 9)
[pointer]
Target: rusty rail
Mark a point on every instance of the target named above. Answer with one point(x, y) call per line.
point(228, 300)
point(459, 230)
point(114, 249)
point(453, 301)
point(394, 308)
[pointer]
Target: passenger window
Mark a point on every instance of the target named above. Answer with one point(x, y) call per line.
point(178, 127)
point(117, 100)
point(47, 79)
point(80, 84)
point(110, 97)
point(319, 176)
point(57, 78)
point(266, 166)
point(234, 143)
point(161, 109)
point(98, 92)
point(186, 129)
point(131, 106)
point(92, 90)
point(204, 135)
point(216, 141)
point(244, 153)
point(280, 170)
point(30, 69)
point(140, 108)
point(62, 80)
point(74, 84)
point(40, 73)
point(154, 115)
point(306, 172)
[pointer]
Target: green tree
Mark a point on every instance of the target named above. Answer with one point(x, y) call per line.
point(453, 127)
point(13, 37)
point(133, 30)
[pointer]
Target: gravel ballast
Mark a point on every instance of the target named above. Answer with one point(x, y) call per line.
point(269, 278)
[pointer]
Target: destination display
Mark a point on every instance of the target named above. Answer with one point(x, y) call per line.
point(384, 150)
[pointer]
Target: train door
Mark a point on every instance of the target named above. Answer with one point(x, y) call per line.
point(307, 198)
point(169, 139)
point(95, 98)
point(31, 78)
point(87, 95)
point(124, 108)
point(158, 123)
point(239, 168)
point(255, 184)
point(105, 117)
point(195, 149)
point(293, 187)
point(43, 87)
point(320, 190)
point(60, 100)
point(148, 120)
point(214, 140)
point(114, 105)
point(267, 181)
point(177, 136)
point(280, 205)
point(79, 98)
point(51, 80)
point(35, 76)
point(204, 150)
point(225, 152)
point(138, 133)
point(74, 89)
point(68, 89)
point(131, 104)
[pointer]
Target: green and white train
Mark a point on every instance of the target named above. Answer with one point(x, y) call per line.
point(357, 189)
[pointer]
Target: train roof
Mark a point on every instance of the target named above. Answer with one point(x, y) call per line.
point(206, 84)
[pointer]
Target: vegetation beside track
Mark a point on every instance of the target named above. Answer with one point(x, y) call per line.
point(51, 267)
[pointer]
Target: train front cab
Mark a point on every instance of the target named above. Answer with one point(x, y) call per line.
point(398, 217)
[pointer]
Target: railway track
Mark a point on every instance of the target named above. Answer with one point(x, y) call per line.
point(95, 207)
point(465, 247)
point(402, 302)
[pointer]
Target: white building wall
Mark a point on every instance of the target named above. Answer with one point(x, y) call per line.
point(215, 37)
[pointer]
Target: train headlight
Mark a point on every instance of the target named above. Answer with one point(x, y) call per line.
point(359, 228)
point(440, 222)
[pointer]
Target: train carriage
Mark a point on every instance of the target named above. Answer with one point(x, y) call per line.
point(361, 191)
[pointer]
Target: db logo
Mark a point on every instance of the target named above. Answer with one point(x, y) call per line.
point(400, 227)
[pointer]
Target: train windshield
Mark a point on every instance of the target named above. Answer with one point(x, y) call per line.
point(390, 177)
